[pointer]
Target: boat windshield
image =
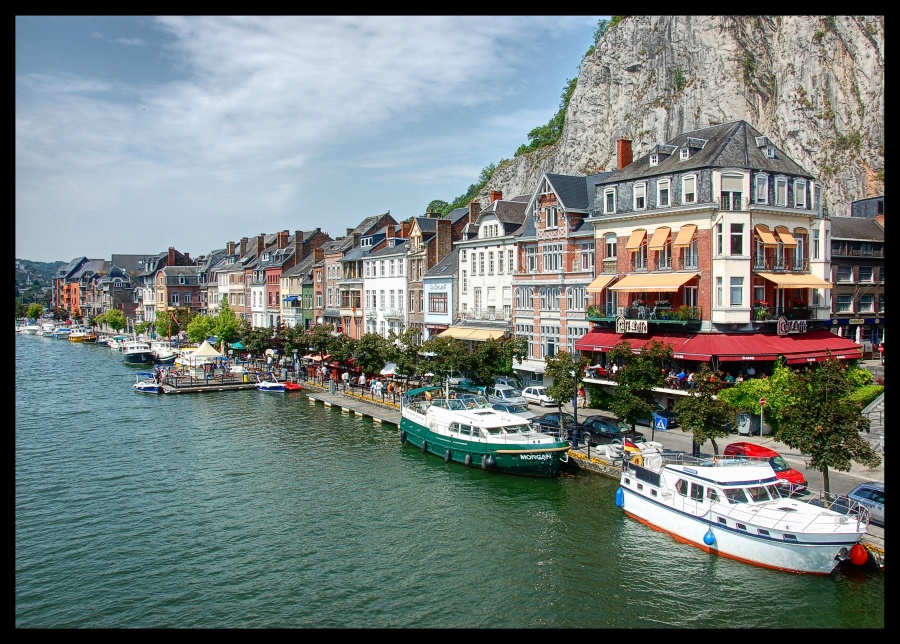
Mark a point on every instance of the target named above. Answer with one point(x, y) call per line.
point(758, 493)
point(735, 495)
point(514, 429)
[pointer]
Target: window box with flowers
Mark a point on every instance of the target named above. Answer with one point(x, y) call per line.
point(761, 310)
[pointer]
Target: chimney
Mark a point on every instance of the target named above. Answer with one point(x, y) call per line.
point(171, 256)
point(244, 241)
point(389, 231)
point(187, 260)
point(299, 248)
point(260, 244)
point(283, 238)
point(880, 219)
point(474, 210)
point(624, 154)
point(431, 214)
point(444, 238)
point(405, 227)
point(356, 238)
point(496, 195)
point(229, 248)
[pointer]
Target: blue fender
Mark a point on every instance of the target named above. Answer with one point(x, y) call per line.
point(620, 498)
point(709, 538)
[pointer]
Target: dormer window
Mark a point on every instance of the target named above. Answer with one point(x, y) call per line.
point(685, 153)
point(654, 160)
point(551, 214)
point(762, 141)
point(770, 152)
point(609, 201)
point(365, 242)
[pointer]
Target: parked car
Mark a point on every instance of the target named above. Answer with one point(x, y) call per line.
point(871, 495)
point(793, 479)
point(515, 409)
point(537, 395)
point(456, 378)
point(658, 410)
point(549, 423)
point(602, 430)
point(512, 381)
point(507, 394)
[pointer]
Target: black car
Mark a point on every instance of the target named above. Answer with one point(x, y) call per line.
point(601, 430)
point(549, 423)
point(659, 410)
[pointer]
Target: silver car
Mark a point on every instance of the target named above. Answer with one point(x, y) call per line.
point(871, 495)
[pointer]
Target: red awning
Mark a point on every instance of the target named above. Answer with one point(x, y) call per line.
point(821, 356)
point(606, 340)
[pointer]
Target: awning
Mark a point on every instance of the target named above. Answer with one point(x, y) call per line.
point(486, 334)
point(653, 282)
point(467, 333)
point(796, 280)
point(660, 235)
point(605, 340)
point(600, 283)
point(685, 236)
point(786, 237)
point(821, 356)
point(636, 239)
point(290, 298)
point(768, 239)
point(313, 358)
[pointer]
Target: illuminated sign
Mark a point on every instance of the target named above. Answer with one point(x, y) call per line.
point(624, 325)
point(786, 326)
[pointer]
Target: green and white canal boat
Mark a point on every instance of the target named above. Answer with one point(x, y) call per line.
point(471, 432)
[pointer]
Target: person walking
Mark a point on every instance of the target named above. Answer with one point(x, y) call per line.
point(582, 397)
point(362, 383)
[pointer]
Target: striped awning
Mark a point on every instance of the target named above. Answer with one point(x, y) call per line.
point(600, 283)
point(660, 236)
point(652, 283)
point(785, 236)
point(768, 239)
point(795, 280)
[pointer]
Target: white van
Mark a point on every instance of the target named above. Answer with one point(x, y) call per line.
point(506, 394)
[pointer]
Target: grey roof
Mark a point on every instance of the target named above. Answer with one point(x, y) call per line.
point(729, 145)
point(447, 266)
point(456, 214)
point(355, 253)
point(399, 248)
point(856, 228)
point(527, 230)
point(187, 271)
point(575, 193)
point(509, 213)
point(301, 268)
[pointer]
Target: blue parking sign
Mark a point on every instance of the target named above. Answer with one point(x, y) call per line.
point(660, 422)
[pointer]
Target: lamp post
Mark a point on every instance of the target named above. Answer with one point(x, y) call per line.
point(574, 375)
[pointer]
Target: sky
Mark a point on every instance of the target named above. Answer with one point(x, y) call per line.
point(136, 134)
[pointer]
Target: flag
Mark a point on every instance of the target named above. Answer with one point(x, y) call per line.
point(629, 446)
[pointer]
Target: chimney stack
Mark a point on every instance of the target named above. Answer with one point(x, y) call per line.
point(283, 238)
point(405, 227)
point(229, 248)
point(474, 210)
point(260, 244)
point(624, 154)
point(171, 256)
point(299, 248)
point(244, 241)
point(444, 238)
point(496, 195)
point(388, 231)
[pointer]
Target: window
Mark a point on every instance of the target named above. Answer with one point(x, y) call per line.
point(381, 267)
point(866, 304)
point(640, 196)
point(551, 214)
point(720, 239)
point(437, 302)
point(780, 191)
point(500, 261)
point(866, 274)
point(718, 291)
point(654, 159)
point(587, 256)
point(465, 282)
point(799, 193)
point(462, 255)
point(640, 257)
point(393, 267)
point(690, 295)
point(689, 189)
point(800, 251)
point(844, 274)
point(664, 256)
point(685, 154)
point(175, 300)
point(737, 239)
point(490, 262)
point(815, 244)
point(391, 299)
point(844, 303)
point(552, 257)
point(612, 246)
point(511, 260)
point(609, 201)
point(737, 291)
point(480, 263)
point(531, 258)
point(186, 297)
point(690, 255)
point(762, 189)
point(381, 300)
point(550, 298)
point(759, 293)
point(576, 299)
point(662, 193)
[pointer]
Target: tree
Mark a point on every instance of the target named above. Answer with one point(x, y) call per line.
point(565, 369)
point(635, 382)
point(198, 329)
point(371, 353)
point(823, 423)
point(703, 413)
point(320, 338)
point(404, 352)
point(342, 348)
point(446, 354)
point(226, 323)
point(438, 205)
point(115, 320)
point(34, 311)
point(493, 357)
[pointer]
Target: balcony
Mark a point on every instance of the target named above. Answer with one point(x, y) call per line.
point(762, 313)
point(393, 314)
point(371, 312)
point(351, 311)
point(685, 316)
point(488, 314)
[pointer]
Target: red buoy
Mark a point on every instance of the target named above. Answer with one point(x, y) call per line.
point(858, 555)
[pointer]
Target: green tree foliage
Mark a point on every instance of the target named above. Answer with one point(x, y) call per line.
point(342, 348)
point(642, 372)
point(198, 329)
point(447, 354)
point(549, 134)
point(256, 339)
point(226, 323)
point(115, 320)
point(34, 311)
point(403, 350)
point(560, 367)
point(320, 339)
point(491, 358)
point(823, 423)
point(703, 413)
point(438, 205)
point(371, 353)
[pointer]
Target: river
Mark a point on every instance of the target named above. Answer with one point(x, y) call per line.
point(255, 510)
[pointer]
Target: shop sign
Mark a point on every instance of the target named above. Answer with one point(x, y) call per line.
point(624, 325)
point(856, 321)
point(786, 326)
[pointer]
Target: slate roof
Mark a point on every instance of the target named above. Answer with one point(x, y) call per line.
point(728, 145)
point(575, 192)
point(447, 266)
point(511, 214)
point(399, 248)
point(856, 228)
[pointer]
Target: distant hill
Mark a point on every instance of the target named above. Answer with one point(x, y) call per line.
point(28, 272)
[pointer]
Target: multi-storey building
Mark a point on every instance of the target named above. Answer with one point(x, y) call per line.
point(555, 267)
point(147, 281)
point(713, 242)
point(177, 287)
point(857, 271)
point(294, 300)
point(385, 285)
point(441, 288)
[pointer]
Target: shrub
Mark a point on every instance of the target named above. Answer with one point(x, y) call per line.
point(865, 395)
point(598, 397)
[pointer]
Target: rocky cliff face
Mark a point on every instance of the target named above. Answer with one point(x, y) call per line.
point(813, 84)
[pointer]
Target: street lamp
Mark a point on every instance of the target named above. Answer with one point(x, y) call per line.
point(574, 375)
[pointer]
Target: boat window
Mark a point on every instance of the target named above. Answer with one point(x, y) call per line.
point(764, 533)
point(682, 487)
point(711, 494)
point(774, 492)
point(790, 537)
point(491, 430)
point(741, 526)
point(735, 495)
point(465, 430)
point(513, 429)
point(758, 493)
point(696, 492)
point(653, 492)
point(723, 521)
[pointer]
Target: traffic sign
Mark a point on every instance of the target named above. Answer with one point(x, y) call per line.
point(762, 401)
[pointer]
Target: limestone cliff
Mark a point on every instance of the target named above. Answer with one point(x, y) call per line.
point(814, 84)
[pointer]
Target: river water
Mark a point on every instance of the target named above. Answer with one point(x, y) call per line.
point(258, 510)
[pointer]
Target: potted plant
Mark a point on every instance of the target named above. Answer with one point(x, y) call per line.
point(761, 310)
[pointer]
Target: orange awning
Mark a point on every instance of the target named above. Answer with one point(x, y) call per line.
point(785, 235)
point(636, 239)
point(766, 236)
point(796, 280)
point(652, 283)
point(685, 236)
point(660, 235)
point(600, 283)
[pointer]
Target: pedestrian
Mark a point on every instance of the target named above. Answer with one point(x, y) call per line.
point(362, 382)
point(582, 397)
point(346, 379)
point(751, 371)
point(615, 369)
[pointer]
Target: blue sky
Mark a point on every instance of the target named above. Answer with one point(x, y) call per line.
point(134, 134)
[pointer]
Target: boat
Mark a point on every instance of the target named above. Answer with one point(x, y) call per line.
point(115, 342)
point(46, 329)
point(148, 382)
point(77, 333)
point(471, 432)
point(164, 352)
point(736, 508)
point(137, 352)
point(61, 332)
point(29, 329)
point(268, 382)
point(292, 386)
